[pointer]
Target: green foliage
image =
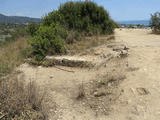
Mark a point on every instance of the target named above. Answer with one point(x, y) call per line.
point(14, 34)
point(140, 26)
point(32, 28)
point(82, 16)
point(130, 26)
point(155, 22)
point(67, 25)
point(46, 41)
point(53, 17)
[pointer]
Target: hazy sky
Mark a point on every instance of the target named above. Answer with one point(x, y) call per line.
point(119, 9)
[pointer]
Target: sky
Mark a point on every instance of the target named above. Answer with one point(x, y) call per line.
point(120, 10)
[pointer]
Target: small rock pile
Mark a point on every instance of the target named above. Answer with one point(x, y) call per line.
point(121, 51)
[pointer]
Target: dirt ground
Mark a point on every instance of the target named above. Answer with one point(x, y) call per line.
point(137, 96)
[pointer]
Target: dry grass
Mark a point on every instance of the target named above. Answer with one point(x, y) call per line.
point(11, 55)
point(81, 92)
point(103, 91)
point(19, 101)
point(87, 43)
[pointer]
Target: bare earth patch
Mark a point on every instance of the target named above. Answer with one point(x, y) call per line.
point(83, 85)
point(123, 84)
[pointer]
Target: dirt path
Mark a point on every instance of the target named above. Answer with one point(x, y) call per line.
point(145, 57)
point(141, 94)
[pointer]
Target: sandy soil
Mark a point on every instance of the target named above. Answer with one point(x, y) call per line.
point(139, 99)
point(145, 56)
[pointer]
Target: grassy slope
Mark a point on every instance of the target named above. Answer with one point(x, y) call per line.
point(10, 55)
point(17, 100)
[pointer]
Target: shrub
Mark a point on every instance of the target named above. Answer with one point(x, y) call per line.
point(32, 28)
point(155, 22)
point(53, 17)
point(19, 101)
point(131, 26)
point(82, 16)
point(46, 41)
point(67, 25)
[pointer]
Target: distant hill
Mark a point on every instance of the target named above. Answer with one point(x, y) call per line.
point(17, 19)
point(135, 22)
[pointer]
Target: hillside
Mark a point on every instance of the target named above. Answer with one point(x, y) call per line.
point(134, 98)
point(17, 19)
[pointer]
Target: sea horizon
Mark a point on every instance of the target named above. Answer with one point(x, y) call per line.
point(134, 22)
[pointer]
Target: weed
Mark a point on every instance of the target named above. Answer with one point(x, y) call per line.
point(102, 92)
point(19, 101)
point(11, 55)
point(81, 92)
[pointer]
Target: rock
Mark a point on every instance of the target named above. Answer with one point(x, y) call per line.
point(102, 92)
point(95, 94)
point(99, 94)
point(142, 91)
point(109, 84)
point(120, 48)
point(124, 53)
point(70, 61)
point(120, 52)
point(51, 77)
point(39, 67)
point(126, 48)
point(131, 69)
point(97, 53)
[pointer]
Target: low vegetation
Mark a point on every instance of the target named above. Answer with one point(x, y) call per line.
point(47, 41)
point(155, 23)
point(67, 25)
point(70, 28)
point(82, 16)
point(19, 101)
point(32, 28)
point(12, 55)
point(101, 93)
point(88, 42)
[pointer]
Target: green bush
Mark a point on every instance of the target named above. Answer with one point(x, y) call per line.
point(83, 17)
point(155, 22)
point(67, 25)
point(53, 17)
point(32, 28)
point(46, 42)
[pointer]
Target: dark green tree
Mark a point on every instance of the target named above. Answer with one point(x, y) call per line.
point(155, 22)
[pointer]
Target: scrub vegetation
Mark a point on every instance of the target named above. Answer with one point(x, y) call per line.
point(58, 31)
point(67, 25)
point(155, 23)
